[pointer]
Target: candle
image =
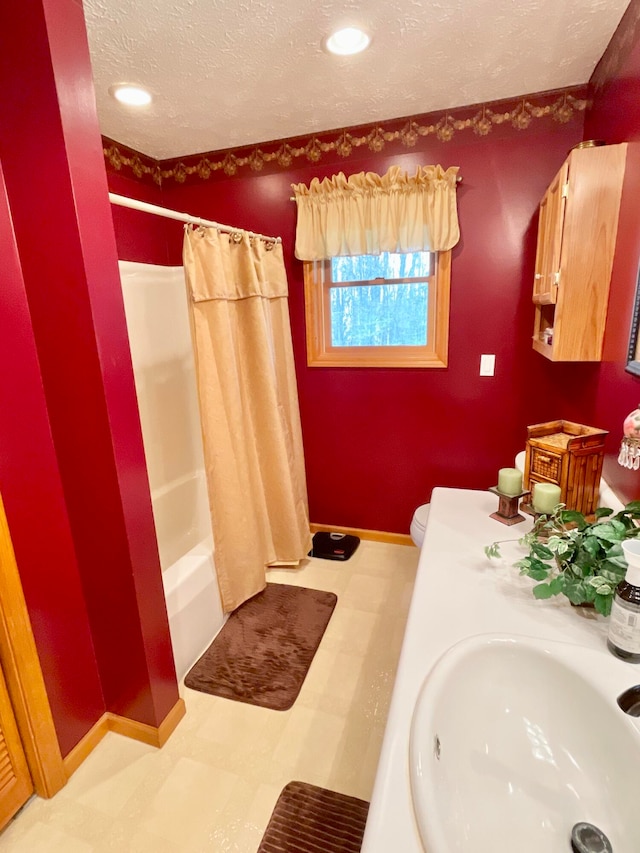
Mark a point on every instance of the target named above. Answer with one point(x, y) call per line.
point(509, 481)
point(546, 496)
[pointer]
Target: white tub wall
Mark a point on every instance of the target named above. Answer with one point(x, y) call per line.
point(157, 317)
point(192, 596)
point(155, 305)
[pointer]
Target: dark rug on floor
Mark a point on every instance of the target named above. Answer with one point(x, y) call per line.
point(262, 654)
point(308, 819)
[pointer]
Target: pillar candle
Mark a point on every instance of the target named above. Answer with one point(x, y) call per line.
point(546, 496)
point(509, 481)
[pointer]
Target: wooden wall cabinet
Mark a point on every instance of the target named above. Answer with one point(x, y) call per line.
point(577, 228)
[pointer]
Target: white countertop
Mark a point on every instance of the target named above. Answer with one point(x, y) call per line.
point(459, 593)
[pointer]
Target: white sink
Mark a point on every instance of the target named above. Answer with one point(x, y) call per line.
point(515, 740)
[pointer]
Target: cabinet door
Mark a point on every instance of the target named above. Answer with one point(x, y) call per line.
point(15, 781)
point(550, 228)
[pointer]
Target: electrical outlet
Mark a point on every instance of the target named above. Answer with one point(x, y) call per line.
point(487, 364)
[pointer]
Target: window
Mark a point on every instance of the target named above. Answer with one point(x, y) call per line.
point(387, 310)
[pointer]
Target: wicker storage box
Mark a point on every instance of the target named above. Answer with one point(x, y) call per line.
point(570, 455)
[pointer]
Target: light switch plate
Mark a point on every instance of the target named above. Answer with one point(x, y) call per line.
point(487, 364)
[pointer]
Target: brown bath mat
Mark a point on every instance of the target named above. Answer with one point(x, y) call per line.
point(262, 654)
point(308, 819)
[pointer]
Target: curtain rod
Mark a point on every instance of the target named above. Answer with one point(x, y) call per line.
point(458, 181)
point(133, 203)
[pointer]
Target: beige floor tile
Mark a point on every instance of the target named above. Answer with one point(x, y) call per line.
point(215, 783)
point(41, 838)
point(367, 592)
point(309, 740)
point(186, 806)
point(331, 682)
point(118, 767)
point(350, 630)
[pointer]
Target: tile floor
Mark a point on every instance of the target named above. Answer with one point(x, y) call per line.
point(214, 784)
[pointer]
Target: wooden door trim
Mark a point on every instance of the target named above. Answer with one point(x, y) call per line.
point(23, 675)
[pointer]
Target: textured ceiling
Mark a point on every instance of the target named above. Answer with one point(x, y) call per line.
point(225, 74)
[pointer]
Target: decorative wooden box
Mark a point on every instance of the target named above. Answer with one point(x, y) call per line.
point(570, 455)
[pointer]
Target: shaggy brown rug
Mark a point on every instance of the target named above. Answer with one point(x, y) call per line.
point(308, 819)
point(262, 654)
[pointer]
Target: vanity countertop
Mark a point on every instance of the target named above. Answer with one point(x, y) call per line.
point(458, 593)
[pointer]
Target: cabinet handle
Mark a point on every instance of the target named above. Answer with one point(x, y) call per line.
point(538, 275)
point(544, 459)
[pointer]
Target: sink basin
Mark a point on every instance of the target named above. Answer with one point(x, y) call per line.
point(515, 740)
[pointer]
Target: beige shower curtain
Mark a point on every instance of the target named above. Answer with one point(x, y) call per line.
point(249, 407)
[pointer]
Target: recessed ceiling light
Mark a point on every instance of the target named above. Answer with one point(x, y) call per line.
point(347, 41)
point(132, 96)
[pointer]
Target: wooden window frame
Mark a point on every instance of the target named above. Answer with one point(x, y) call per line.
point(320, 352)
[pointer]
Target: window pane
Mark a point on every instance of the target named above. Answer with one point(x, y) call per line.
point(385, 265)
point(379, 315)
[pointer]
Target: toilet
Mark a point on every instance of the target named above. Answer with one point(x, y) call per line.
point(420, 516)
point(418, 524)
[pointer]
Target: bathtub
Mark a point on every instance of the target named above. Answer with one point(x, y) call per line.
point(185, 544)
point(193, 605)
point(164, 371)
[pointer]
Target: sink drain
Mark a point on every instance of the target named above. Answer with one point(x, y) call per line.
point(587, 838)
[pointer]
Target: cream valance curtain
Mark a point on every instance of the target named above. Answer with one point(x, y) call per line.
point(366, 214)
point(248, 407)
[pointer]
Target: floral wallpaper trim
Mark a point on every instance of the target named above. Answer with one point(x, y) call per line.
point(519, 115)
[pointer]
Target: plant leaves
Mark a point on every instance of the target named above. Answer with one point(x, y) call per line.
point(614, 576)
point(591, 545)
point(606, 530)
point(542, 590)
point(541, 551)
point(571, 516)
point(603, 511)
point(601, 585)
point(575, 591)
point(603, 604)
point(538, 574)
point(557, 585)
point(633, 507)
point(492, 550)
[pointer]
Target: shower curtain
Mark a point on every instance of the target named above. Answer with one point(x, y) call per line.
point(249, 407)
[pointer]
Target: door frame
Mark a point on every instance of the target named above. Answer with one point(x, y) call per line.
point(23, 674)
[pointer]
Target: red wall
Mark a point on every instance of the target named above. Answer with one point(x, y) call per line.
point(51, 155)
point(36, 511)
point(377, 441)
point(140, 236)
point(608, 389)
point(615, 116)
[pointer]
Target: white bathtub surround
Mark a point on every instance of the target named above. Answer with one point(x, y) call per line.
point(193, 605)
point(249, 407)
point(155, 301)
point(460, 593)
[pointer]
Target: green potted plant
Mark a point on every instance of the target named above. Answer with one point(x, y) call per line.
point(572, 556)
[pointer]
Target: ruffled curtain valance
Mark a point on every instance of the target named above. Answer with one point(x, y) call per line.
point(366, 214)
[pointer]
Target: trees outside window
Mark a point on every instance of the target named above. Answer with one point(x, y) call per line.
point(387, 310)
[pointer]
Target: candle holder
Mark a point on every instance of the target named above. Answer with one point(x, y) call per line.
point(527, 507)
point(508, 507)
